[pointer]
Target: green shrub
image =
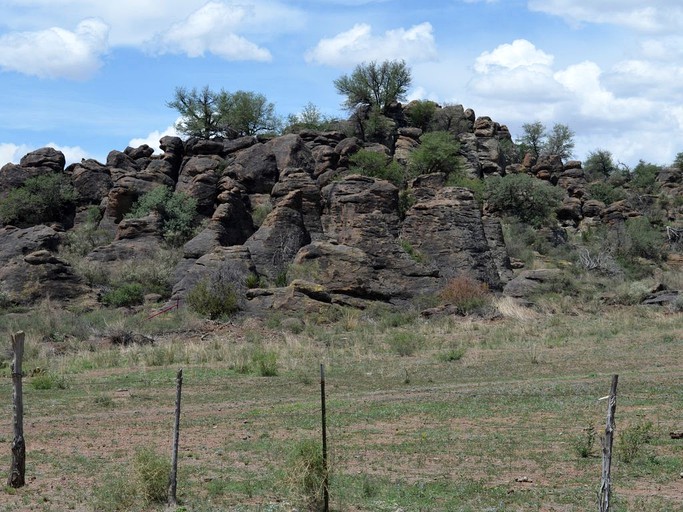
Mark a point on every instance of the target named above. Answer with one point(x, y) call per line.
point(306, 475)
point(253, 281)
point(377, 165)
point(644, 240)
point(420, 113)
point(476, 185)
point(178, 213)
point(606, 192)
point(406, 200)
point(415, 255)
point(644, 177)
point(583, 443)
point(529, 199)
point(127, 294)
point(41, 199)
point(151, 472)
point(47, 380)
point(630, 441)
point(259, 214)
point(213, 299)
point(265, 361)
point(438, 152)
point(451, 355)
point(404, 343)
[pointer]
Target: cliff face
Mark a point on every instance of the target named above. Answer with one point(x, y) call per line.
point(286, 210)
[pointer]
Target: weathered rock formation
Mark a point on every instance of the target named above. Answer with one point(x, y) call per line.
point(330, 238)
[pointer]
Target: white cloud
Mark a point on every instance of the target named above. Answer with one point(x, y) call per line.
point(520, 53)
point(515, 72)
point(359, 44)
point(211, 29)
point(152, 139)
point(12, 153)
point(655, 16)
point(56, 52)
point(594, 100)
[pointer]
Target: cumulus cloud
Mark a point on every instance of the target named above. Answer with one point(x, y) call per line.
point(212, 29)
point(152, 139)
point(516, 71)
point(56, 52)
point(594, 100)
point(519, 53)
point(12, 153)
point(654, 16)
point(359, 44)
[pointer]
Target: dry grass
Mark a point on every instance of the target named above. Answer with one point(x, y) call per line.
point(422, 431)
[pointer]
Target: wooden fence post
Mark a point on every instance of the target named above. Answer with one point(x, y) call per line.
point(326, 480)
point(173, 478)
point(17, 472)
point(606, 483)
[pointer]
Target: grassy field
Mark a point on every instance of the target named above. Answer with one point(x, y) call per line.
point(455, 414)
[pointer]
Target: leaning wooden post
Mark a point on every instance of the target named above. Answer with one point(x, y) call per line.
point(326, 480)
point(173, 478)
point(17, 471)
point(607, 441)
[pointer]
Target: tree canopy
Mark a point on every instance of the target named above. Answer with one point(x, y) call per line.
point(599, 163)
point(205, 113)
point(537, 140)
point(375, 85)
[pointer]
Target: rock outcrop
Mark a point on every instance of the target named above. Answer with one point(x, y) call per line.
point(287, 211)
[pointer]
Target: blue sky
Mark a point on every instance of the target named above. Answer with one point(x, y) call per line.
point(89, 76)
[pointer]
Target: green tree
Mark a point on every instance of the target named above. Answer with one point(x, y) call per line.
point(529, 199)
point(205, 113)
point(438, 152)
point(533, 138)
point(247, 113)
point(678, 161)
point(375, 85)
point(310, 118)
point(537, 140)
point(45, 198)
point(644, 177)
point(560, 142)
point(198, 109)
point(599, 163)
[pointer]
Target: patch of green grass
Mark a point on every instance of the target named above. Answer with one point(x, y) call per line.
point(48, 380)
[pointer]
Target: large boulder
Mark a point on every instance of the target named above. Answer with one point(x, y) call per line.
point(36, 163)
point(47, 158)
point(223, 264)
point(255, 168)
point(199, 179)
point(527, 282)
point(230, 224)
point(92, 180)
point(139, 238)
point(279, 237)
point(362, 213)
point(291, 151)
point(448, 231)
point(31, 270)
point(293, 179)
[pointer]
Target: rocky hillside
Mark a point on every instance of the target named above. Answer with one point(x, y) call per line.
point(288, 225)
